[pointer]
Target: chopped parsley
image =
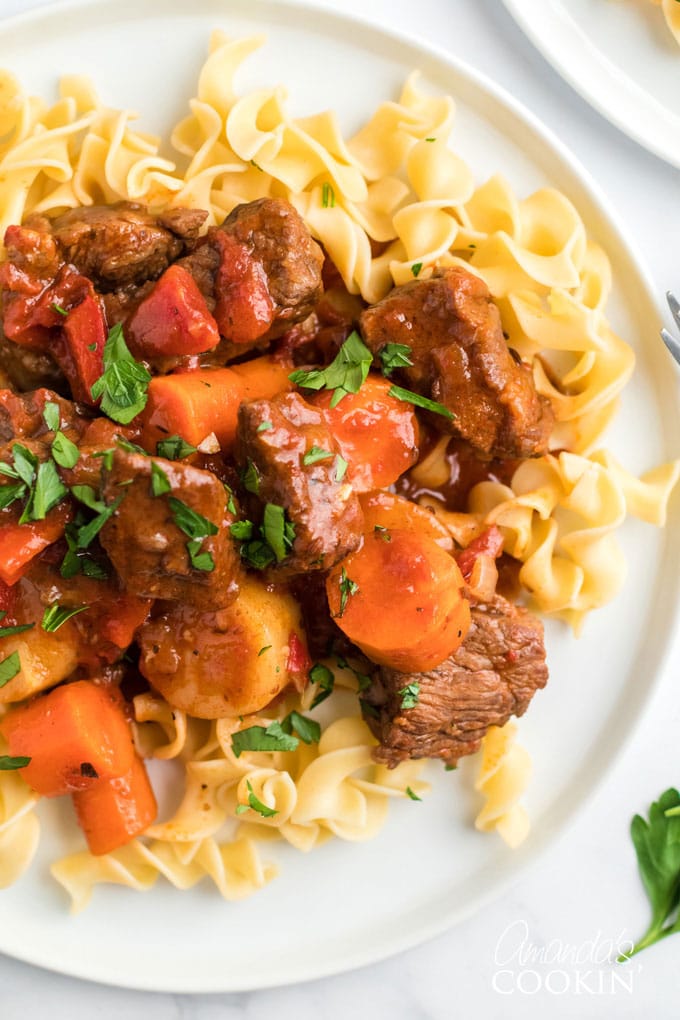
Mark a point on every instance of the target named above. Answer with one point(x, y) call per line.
point(416, 267)
point(9, 764)
point(341, 466)
point(395, 356)
point(52, 416)
point(255, 804)
point(251, 478)
point(316, 454)
point(65, 453)
point(11, 492)
point(272, 541)
point(325, 678)
point(160, 483)
point(411, 794)
point(265, 426)
point(48, 490)
point(257, 738)
point(348, 587)
point(196, 528)
point(123, 386)
point(87, 532)
point(424, 402)
point(174, 448)
point(345, 374)
point(410, 695)
point(327, 196)
point(18, 628)
point(59, 309)
point(308, 730)
point(380, 530)
point(265, 648)
point(10, 666)
point(55, 616)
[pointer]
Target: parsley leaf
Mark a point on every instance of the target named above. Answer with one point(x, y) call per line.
point(9, 764)
point(308, 730)
point(345, 374)
point(255, 804)
point(65, 453)
point(265, 426)
point(415, 398)
point(657, 846)
point(395, 356)
point(416, 267)
point(86, 533)
point(257, 738)
point(55, 616)
point(174, 448)
point(242, 530)
point(9, 493)
point(47, 491)
point(196, 528)
point(9, 668)
point(25, 463)
point(160, 483)
point(277, 532)
point(18, 628)
point(327, 195)
point(316, 454)
point(347, 587)
point(251, 478)
point(341, 466)
point(410, 695)
point(52, 416)
point(325, 678)
point(411, 794)
point(123, 387)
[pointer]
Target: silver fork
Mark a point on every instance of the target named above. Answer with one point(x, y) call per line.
point(670, 341)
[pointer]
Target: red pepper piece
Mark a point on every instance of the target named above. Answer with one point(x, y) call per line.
point(174, 319)
point(21, 543)
point(244, 309)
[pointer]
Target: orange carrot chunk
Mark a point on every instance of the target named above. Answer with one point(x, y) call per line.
point(114, 811)
point(196, 404)
point(74, 735)
point(399, 598)
point(376, 434)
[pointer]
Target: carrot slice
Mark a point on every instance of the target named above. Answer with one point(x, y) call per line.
point(425, 617)
point(74, 735)
point(114, 811)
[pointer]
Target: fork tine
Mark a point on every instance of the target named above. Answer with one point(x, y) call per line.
point(674, 306)
point(671, 343)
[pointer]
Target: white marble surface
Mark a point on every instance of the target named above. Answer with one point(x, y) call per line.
point(585, 891)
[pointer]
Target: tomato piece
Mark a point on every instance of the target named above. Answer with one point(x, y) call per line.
point(173, 320)
point(245, 309)
point(489, 543)
point(82, 354)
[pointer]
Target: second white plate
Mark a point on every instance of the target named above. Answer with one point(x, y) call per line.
point(620, 56)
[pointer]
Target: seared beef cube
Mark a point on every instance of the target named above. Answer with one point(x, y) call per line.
point(274, 439)
point(146, 545)
point(492, 676)
point(461, 360)
point(120, 244)
point(260, 271)
point(22, 416)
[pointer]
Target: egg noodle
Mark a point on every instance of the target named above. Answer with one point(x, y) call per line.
point(671, 12)
point(396, 183)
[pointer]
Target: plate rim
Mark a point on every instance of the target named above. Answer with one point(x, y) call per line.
point(661, 657)
point(541, 23)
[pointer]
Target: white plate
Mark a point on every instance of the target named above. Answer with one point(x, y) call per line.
point(350, 904)
point(620, 56)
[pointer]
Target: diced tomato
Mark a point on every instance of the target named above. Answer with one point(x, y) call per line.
point(21, 543)
point(34, 309)
point(489, 543)
point(244, 309)
point(82, 353)
point(174, 319)
point(298, 657)
point(7, 594)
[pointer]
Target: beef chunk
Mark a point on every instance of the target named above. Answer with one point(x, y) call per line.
point(22, 417)
point(492, 676)
point(116, 245)
point(272, 440)
point(27, 368)
point(147, 547)
point(260, 271)
point(460, 359)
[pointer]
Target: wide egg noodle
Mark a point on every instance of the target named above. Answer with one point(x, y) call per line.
point(504, 774)
point(19, 825)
